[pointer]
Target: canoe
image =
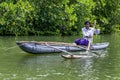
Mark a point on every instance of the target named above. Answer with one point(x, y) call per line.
point(41, 47)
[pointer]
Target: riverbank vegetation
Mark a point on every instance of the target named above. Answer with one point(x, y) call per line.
point(57, 17)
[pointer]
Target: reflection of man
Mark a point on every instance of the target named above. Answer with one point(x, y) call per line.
point(88, 32)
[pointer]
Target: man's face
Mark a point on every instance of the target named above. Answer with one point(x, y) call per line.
point(87, 25)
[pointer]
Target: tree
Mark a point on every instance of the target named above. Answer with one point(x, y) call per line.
point(64, 17)
point(16, 18)
point(107, 13)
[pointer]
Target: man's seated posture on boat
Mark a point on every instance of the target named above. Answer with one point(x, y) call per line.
point(88, 33)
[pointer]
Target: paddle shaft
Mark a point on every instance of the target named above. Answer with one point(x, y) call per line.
point(88, 48)
point(59, 49)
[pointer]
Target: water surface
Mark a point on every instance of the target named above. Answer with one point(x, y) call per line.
point(16, 64)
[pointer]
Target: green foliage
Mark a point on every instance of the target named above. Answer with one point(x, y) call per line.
point(56, 17)
point(16, 19)
point(107, 13)
point(64, 17)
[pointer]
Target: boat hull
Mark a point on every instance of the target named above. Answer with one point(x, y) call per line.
point(39, 47)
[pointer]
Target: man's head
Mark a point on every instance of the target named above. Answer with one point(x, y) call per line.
point(87, 24)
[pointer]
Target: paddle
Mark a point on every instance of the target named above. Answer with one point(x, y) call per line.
point(88, 48)
point(59, 49)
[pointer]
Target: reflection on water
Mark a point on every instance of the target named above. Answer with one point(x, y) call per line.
point(47, 65)
point(18, 65)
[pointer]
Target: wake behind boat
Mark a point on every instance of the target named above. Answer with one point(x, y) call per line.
point(55, 47)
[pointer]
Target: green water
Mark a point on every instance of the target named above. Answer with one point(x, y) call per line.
point(16, 64)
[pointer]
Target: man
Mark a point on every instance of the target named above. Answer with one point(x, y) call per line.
point(88, 32)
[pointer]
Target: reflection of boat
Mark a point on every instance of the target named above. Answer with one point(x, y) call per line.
point(41, 47)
